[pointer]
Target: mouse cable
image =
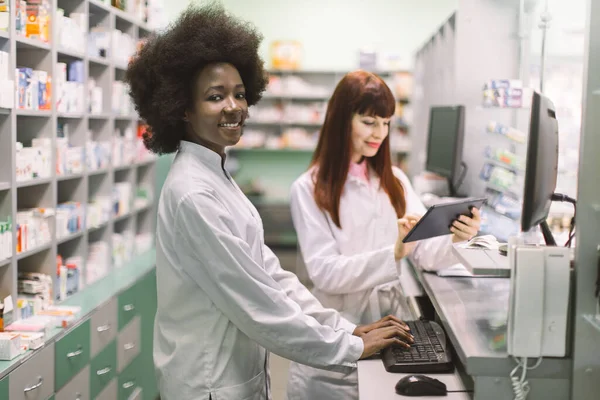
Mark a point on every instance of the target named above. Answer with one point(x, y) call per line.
point(520, 385)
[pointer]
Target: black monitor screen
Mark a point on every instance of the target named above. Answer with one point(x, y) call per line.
point(444, 147)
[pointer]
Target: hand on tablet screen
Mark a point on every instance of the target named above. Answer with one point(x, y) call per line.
point(405, 224)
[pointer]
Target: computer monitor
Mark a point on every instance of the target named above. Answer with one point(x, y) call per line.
point(541, 166)
point(445, 143)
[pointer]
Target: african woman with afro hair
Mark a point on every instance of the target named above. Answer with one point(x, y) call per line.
point(224, 302)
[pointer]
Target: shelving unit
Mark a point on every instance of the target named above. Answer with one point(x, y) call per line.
point(25, 125)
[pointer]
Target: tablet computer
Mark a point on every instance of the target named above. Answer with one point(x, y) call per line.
point(438, 218)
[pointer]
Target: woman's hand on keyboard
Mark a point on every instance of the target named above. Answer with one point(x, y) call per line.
point(379, 338)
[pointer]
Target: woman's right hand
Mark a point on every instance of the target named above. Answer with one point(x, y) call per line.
point(378, 339)
point(405, 224)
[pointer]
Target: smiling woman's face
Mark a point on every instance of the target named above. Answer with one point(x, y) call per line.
point(367, 134)
point(220, 108)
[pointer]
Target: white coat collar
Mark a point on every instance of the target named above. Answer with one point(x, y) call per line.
point(204, 154)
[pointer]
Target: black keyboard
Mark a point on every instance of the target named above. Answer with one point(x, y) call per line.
point(427, 354)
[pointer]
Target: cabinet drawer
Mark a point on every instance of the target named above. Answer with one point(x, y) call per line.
point(103, 325)
point(129, 380)
point(34, 380)
point(128, 307)
point(103, 368)
point(72, 354)
point(110, 392)
point(78, 388)
point(128, 343)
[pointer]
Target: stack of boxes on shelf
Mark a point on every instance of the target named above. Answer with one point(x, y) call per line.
point(33, 19)
point(70, 90)
point(6, 242)
point(69, 159)
point(34, 162)
point(33, 228)
point(6, 83)
point(71, 31)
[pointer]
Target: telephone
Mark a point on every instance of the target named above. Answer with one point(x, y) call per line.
point(539, 300)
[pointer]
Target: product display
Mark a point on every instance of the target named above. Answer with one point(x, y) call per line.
point(33, 162)
point(95, 96)
point(98, 211)
point(6, 244)
point(121, 102)
point(33, 228)
point(123, 47)
point(503, 93)
point(511, 133)
point(69, 219)
point(35, 293)
point(98, 262)
point(69, 85)
point(33, 19)
point(4, 16)
point(6, 82)
point(97, 155)
point(124, 145)
point(68, 277)
point(122, 198)
point(33, 89)
point(122, 248)
point(71, 30)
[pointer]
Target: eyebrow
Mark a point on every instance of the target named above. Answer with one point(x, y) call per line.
point(221, 87)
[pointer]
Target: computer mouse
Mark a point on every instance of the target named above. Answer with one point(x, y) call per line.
point(420, 385)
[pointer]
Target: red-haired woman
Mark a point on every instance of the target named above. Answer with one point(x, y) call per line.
point(351, 210)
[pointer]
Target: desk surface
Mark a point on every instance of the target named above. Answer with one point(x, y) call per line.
point(474, 313)
point(375, 383)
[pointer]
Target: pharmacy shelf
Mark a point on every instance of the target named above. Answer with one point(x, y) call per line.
point(98, 227)
point(99, 60)
point(28, 124)
point(70, 53)
point(122, 217)
point(99, 116)
point(70, 237)
point(70, 116)
point(34, 182)
point(98, 171)
point(68, 177)
point(36, 250)
point(34, 113)
point(28, 44)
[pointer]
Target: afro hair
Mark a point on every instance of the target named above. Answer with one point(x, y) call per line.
point(162, 74)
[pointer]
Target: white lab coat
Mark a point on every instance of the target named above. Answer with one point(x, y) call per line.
point(353, 269)
point(223, 299)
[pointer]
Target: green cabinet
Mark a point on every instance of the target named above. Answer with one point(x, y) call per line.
point(129, 379)
point(127, 306)
point(147, 292)
point(103, 369)
point(72, 354)
point(4, 388)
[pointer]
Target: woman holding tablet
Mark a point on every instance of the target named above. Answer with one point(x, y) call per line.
point(351, 210)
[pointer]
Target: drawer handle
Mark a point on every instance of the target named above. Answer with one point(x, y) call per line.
point(77, 396)
point(128, 307)
point(129, 346)
point(103, 328)
point(37, 385)
point(103, 371)
point(75, 353)
point(128, 385)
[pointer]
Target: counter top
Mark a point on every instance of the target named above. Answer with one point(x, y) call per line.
point(375, 383)
point(474, 313)
point(91, 298)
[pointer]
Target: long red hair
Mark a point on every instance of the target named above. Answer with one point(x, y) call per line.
point(363, 93)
